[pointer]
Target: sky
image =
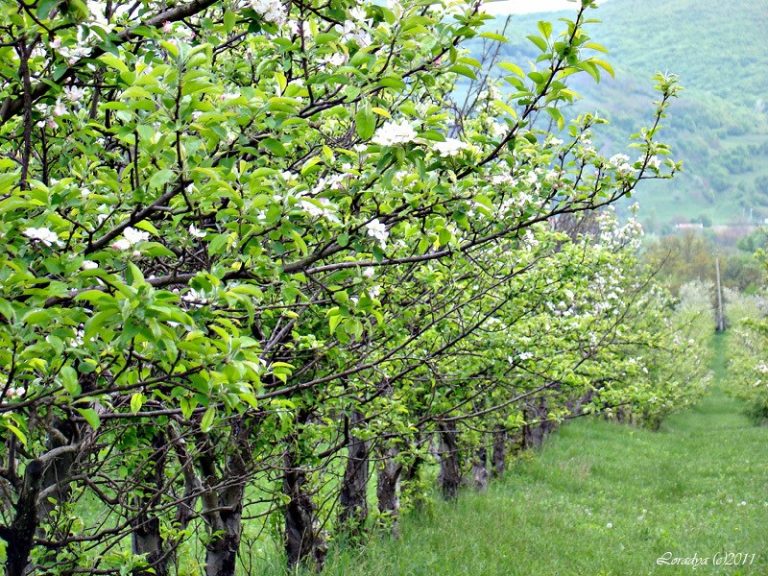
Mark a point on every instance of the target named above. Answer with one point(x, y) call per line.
point(528, 6)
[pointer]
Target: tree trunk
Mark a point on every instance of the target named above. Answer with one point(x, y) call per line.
point(354, 488)
point(223, 500)
point(388, 471)
point(20, 534)
point(480, 469)
point(536, 426)
point(45, 477)
point(499, 456)
point(303, 541)
point(450, 467)
point(146, 539)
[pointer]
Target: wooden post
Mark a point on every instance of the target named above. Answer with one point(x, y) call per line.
point(720, 317)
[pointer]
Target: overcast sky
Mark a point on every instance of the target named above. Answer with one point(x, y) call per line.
point(528, 6)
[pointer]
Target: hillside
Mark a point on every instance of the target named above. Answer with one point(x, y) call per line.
point(719, 126)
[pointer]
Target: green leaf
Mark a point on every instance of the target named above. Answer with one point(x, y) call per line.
point(463, 71)
point(137, 401)
point(365, 122)
point(230, 19)
point(160, 178)
point(513, 68)
point(604, 65)
point(16, 432)
point(207, 422)
point(275, 146)
point(557, 116)
point(494, 36)
point(539, 42)
point(69, 380)
point(545, 28)
point(91, 417)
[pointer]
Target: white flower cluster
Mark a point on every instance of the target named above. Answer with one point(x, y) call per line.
point(355, 29)
point(451, 147)
point(378, 230)
point(71, 53)
point(16, 392)
point(392, 133)
point(131, 237)
point(503, 179)
point(271, 10)
point(194, 297)
point(44, 235)
point(621, 163)
point(324, 210)
point(300, 28)
point(195, 232)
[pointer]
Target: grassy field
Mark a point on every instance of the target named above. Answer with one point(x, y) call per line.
point(602, 499)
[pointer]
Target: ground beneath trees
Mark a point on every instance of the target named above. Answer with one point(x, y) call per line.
point(603, 499)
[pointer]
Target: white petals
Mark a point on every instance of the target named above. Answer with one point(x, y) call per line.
point(392, 133)
point(44, 235)
point(451, 147)
point(89, 265)
point(196, 232)
point(271, 10)
point(131, 237)
point(121, 244)
point(73, 93)
point(378, 230)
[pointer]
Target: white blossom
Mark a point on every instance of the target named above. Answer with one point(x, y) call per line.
point(358, 13)
point(196, 232)
point(392, 133)
point(73, 93)
point(135, 236)
point(131, 237)
point(44, 235)
point(16, 392)
point(89, 265)
point(121, 244)
point(451, 147)
point(352, 31)
point(59, 109)
point(271, 10)
point(378, 230)
point(335, 59)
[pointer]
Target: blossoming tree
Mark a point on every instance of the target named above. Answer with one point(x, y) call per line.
point(250, 246)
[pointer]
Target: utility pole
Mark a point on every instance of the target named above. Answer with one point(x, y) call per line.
point(720, 316)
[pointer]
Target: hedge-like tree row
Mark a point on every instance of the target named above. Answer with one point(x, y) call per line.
point(260, 257)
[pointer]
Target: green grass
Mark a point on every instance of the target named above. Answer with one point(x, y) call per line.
point(600, 499)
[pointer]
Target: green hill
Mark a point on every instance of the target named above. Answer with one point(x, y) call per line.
point(719, 126)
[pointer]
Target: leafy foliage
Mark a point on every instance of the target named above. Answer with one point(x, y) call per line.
point(250, 250)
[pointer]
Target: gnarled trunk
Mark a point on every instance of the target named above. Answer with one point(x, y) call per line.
point(480, 469)
point(45, 478)
point(499, 456)
point(303, 542)
point(20, 534)
point(536, 424)
point(146, 538)
point(353, 498)
point(388, 471)
point(222, 500)
point(450, 466)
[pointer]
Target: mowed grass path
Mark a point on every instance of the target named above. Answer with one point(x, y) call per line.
point(601, 499)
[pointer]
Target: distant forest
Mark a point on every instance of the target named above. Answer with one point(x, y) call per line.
point(719, 125)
